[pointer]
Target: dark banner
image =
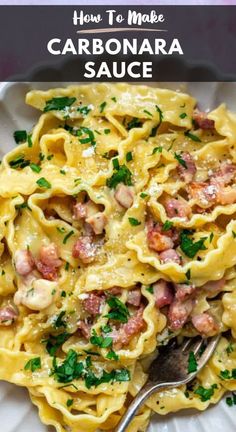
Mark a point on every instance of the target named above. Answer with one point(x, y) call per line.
point(117, 43)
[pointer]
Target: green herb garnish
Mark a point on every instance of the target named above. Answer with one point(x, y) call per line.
point(134, 222)
point(20, 136)
point(192, 363)
point(36, 168)
point(43, 183)
point(188, 246)
point(58, 103)
point(192, 136)
point(68, 236)
point(180, 160)
point(129, 156)
point(119, 311)
point(33, 364)
point(167, 225)
point(205, 393)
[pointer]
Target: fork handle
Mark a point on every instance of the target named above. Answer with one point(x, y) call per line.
point(138, 401)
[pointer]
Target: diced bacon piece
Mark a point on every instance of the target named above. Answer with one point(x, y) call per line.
point(157, 241)
point(92, 304)
point(49, 255)
point(202, 121)
point(205, 194)
point(115, 291)
point(170, 255)
point(183, 291)
point(125, 333)
point(8, 315)
point(177, 208)
point(225, 174)
point(84, 329)
point(79, 211)
point(163, 293)
point(205, 324)
point(226, 195)
point(134, 297)
point(85, 249)
point(24, 262)
point(124, 195)
point(48, 272)
point(97, 222)
point(179, 312)
point(214, 287)
point(187, 173)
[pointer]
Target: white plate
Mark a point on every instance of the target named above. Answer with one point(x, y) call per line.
point(16, 411)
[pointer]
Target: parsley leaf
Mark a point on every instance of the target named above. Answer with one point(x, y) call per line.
point(180, 160)
point(102, 106)
point(36, 168)
point(111, 355)
point(192, 136)
point(119, 311)
point(129, 156)
point(150, 289)
point(134, 222)
point(188, 246)
point(53, 343)
point(121, 175)
point(183, 115)
point(67, 236)
point(20, 136)
point(59, 322)
point(69, 369)
point(19, 162)
point(43, 183)
point(58, 103)
point(69, 402)
point(157, 149)
point(84, 110)
point(143, 195)
point(192, 363)
point(100, 341)
point(134, 123)
point(205, 393)
point(160, 114)
point(167, 225)
point(148, 113)
point(87, 136)
point(33, 364)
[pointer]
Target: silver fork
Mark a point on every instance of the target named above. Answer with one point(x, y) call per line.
point(170, 369)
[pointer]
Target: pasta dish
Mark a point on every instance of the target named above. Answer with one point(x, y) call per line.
point(118, 233)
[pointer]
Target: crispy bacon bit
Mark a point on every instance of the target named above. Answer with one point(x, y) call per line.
point(24, 262)
point(156, 240)
point(202, 121)
point(225, 174)
point(115, 291)
point(183, 291)
point(85, 249)
point(124, 195)
point(177, 208)
point(214, 287)
point(170, 255)
point(205, 194)
point(134, 297)
point(92, 304)
point(84, 329)
point(124, 334)
point(179, 312)
point(48, 262)
point(163, 293)
point(205, 324)
point(97, 222)
point(8, 315)
point(79, 211)
point(187, 172)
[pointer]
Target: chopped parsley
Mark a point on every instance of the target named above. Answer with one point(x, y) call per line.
point(143, 195)
point(53, 343)
point(183, 115)
point(62, 172)
point(122, 174)
point(188, 274)
point(167, 225)
point(33, 364)
point(231, 400)
point(43, 183)
point(69, 370)
point(36, 168)
point(58, 103)
point(153, 132)
point(69, 402)
point(59, 321)
point(230, 348)
point(234, 234)
point(67, 265)
point(180, 160)
point(119, 311)
point(19, 162)
point(86, 136)
point(106, 329)
point(134, 222)
point(148, 113)
point(20, 136)
point(161, 116)
point(134, 123)
point(226, 374)
point(102, 106)
point(192, 363)
point(150, 289)
point(84, 110)
point(29, 141)
point(100, 341)
point(68, 236)
point(107, 131)
point(188, 246)
point(111, 355)
point(23, 206)
point(61, 230)
point(129, 156)
point(114, 99)
point(205, 393)
point(211, 237)
point(192, 136)
point(157, 149)
point(115, 163)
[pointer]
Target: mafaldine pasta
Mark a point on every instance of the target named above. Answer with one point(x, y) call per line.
point(118, 233)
